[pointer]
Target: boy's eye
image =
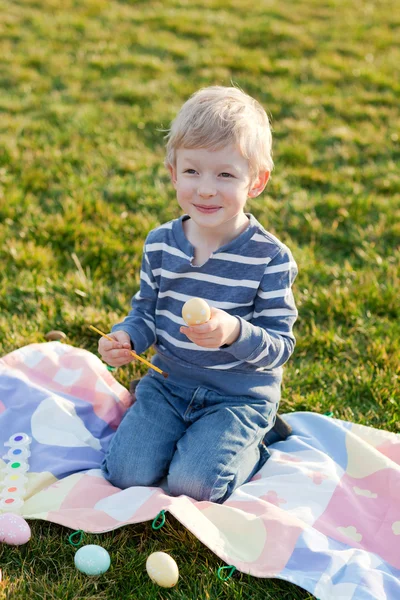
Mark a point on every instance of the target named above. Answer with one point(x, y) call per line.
point(226, 175)
point(190, 171)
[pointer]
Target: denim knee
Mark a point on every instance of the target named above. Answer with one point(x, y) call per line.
point(187, 484)
point(197, 482)
point(121, 475)
point(214, 481)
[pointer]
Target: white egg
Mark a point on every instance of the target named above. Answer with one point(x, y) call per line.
point(196, 311)
point(162, 569)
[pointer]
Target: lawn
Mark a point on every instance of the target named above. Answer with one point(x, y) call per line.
point(86, 90)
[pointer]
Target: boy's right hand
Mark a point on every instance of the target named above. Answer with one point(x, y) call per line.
point(116, 353)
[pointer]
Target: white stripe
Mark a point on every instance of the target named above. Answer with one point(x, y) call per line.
point(149, 317)
point(276, 312)
point(260, 356)
point(215, 303)
point(226, 366)
point(257, 237)
point(279, 268)
point(268, 238)
point(175, 295)
point(248, 317)
point(247, 260)
point(278, 358)
point(151, 326)
point(208, 278)
point(187, 345)
point(275, 293)
point(146, 278)
point(284, 333)
point(171, 316)
point(165, 248)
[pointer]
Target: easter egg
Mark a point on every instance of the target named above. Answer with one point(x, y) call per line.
point(92, 560)
point(55, 335)
point(14, 530)
point(196, 311)
point(162, 569)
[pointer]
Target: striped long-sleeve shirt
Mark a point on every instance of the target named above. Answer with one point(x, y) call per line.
point(251, 278)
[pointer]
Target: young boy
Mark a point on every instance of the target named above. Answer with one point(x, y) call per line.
point(203, 427)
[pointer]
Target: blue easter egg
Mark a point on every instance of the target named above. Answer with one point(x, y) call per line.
point(92, 560)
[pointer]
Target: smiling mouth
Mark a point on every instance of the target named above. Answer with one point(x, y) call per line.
point(206, 209)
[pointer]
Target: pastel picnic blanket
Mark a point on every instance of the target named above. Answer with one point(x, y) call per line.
point(323, 512)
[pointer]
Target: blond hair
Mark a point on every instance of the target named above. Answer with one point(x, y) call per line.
point(217, 116)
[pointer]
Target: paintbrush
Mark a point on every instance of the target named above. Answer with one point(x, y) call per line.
point(143, 360)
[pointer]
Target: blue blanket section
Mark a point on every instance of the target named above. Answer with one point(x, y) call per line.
point(21, 399)
point(308, 564)
point(322, 433)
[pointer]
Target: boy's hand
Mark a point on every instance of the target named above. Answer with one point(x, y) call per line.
point(221, 329)
point(116, 353)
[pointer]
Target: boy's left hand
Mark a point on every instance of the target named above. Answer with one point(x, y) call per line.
point(219, 330)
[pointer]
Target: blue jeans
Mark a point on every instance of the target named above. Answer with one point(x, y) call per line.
point(205, 444)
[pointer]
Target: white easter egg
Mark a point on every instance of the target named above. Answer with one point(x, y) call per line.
point(196, 311)
point(162, 569)
point(14, 530)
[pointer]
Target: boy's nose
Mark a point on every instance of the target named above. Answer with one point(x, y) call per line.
point(206, 191)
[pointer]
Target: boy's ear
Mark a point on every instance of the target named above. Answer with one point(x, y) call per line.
point(259, 184)
point(172, 171)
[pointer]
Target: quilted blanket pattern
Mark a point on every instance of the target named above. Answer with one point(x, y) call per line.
point(323, 512)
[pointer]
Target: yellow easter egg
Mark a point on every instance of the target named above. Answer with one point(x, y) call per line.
point(162, 569)
point(196, 311)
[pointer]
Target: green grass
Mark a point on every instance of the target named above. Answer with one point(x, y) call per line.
point(85, 91)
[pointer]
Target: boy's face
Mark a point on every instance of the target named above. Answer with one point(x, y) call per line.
point(212, 186)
